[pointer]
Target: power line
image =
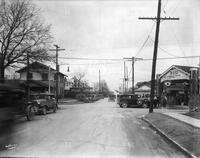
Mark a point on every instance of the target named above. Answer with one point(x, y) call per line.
point(185, 57)
point(143, 59)
point(92, 63)
point(164, 49)
point(173, 32)
point(163, 9)
point(176, 7)
point(145, 41)
point(90, 59)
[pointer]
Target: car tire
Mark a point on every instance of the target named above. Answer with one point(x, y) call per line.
point(55, 108)
point(30, 113)
point(44, 110)
point(124, 105)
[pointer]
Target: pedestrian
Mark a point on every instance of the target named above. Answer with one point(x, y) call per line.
point(155, 102)
point(164, 100)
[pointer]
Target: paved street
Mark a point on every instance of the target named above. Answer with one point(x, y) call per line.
point(97, 129)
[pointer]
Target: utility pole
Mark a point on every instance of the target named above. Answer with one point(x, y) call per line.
point(133, 91)
point(198, 78)
point(133, 59)
point(124, 77)
point(158, 19)
point(57, 68)
point(127, 79)
point(49, 79)
point(99, 81)
point(28, 76)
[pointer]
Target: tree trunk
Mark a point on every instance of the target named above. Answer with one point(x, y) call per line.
point(2, 73)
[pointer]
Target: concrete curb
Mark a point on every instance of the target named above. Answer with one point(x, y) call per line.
point(193, 126)
point(169, 139)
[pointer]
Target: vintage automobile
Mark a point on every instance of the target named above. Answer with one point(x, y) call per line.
point(13, 102)
point(128, 100)
point(13, 106)
point(44, 101)
point(94, 97)
point(144, 102)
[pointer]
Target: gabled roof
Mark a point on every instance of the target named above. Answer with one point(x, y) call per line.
point(143, 88)
point(184, 69)
point(36, 65)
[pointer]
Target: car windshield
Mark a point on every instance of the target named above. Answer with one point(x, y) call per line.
point(35, 97)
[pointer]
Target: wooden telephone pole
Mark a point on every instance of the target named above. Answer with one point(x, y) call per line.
point(99, 81)
point(158, 19)
point(133, 59)
point(28, 76)
point(57, 69)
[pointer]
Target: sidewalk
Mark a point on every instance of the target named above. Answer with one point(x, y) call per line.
point(187, 119)
point(68, 101)
point(181, 130)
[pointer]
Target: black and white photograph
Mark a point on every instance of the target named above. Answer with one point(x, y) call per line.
point(100, 78)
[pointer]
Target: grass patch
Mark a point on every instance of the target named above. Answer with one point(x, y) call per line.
point(186, 135)
point(193, 114)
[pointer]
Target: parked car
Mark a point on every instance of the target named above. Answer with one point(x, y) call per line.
point(14, 100)
point(144, 102)
point(13, 105)
point(45, 102)
point(94, 97)
point(86, 98)
point(128, 100)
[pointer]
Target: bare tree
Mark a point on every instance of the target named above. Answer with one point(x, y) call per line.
point(78, 79)
point(21, 31)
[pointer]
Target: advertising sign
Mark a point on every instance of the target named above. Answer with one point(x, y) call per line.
point(174, 74)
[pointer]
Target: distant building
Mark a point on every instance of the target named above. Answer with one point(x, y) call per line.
point(143, 91)
point(42, 77)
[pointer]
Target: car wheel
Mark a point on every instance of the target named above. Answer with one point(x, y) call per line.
point(54, 108)
point(124, 105)
point(144, 105)
point(30, 113)
point(139, 102)
point(44, 111)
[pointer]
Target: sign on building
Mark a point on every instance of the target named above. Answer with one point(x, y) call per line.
point(174, 74)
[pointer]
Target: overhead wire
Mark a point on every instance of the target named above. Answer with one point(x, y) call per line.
point(169, 58)
point(92, 63)
point(164, 6)
point(176, 7)
point(70, 58)
point(176, 38)
point(141, 48)
point(164, 49)
point(147, 59)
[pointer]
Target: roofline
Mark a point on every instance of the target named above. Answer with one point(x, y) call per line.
point(173, 66)
point(22, 69)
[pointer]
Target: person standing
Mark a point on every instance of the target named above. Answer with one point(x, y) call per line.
point(164, 100)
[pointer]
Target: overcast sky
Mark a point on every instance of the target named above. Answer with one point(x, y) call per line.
point(110, 29)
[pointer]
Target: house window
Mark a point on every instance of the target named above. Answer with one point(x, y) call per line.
point(44, 76)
